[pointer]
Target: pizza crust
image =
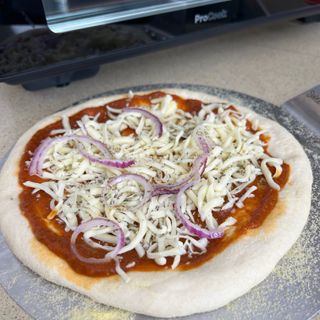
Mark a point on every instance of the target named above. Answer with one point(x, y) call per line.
point(230, 274)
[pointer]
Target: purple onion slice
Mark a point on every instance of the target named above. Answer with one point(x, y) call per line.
point(203, 144)
point(107, 162)
point(148, 189)
point(36, 163)
point(191, 227)
point(149, 115)
point(197, 170)
point(98, 222)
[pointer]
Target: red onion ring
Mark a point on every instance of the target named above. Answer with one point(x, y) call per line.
point(191, 227)
point(98, 222)
point(200, 165)
point(203, 144)
point(148, 189)
point(197, 170)
point(36, 163)
point(149, 115)
point(107, 162)
point(158, 191)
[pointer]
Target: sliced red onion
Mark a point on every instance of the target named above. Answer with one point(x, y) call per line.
point(98, 222)
point(200, 165)
point(191, 227)
point(197, 170)
point(40, 153)
point(169, 188)
point(203, 144)
point(99, 145)
point(138, 178)
point(149, 115)
point(107, 162)
point(158, 191)
point(36, 163)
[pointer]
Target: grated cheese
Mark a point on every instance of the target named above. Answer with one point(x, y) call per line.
point(78, 187)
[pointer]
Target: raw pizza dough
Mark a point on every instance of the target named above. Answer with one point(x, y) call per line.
point(230, 274)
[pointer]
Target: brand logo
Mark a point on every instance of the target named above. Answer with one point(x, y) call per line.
point(210, 16)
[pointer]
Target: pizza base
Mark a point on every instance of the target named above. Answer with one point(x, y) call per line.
point(230, 274)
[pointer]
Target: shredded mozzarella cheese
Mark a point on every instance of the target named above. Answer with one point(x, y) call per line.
point(78, 190)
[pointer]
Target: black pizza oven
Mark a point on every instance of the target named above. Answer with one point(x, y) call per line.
point(53, 42)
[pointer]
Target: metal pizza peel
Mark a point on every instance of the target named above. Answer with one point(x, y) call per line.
point(291, 291)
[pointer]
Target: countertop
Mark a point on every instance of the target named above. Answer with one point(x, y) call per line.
point(273, 62)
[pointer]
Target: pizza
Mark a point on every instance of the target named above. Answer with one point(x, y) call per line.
point(166, 203)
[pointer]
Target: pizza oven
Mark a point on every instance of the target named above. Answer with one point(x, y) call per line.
point(51, 43)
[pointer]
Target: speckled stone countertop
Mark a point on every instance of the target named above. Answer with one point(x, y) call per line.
point(273, 63)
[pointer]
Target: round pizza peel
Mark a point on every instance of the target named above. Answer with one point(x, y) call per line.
point(291, 291)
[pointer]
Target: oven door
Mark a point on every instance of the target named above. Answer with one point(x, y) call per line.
point(68, 15)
